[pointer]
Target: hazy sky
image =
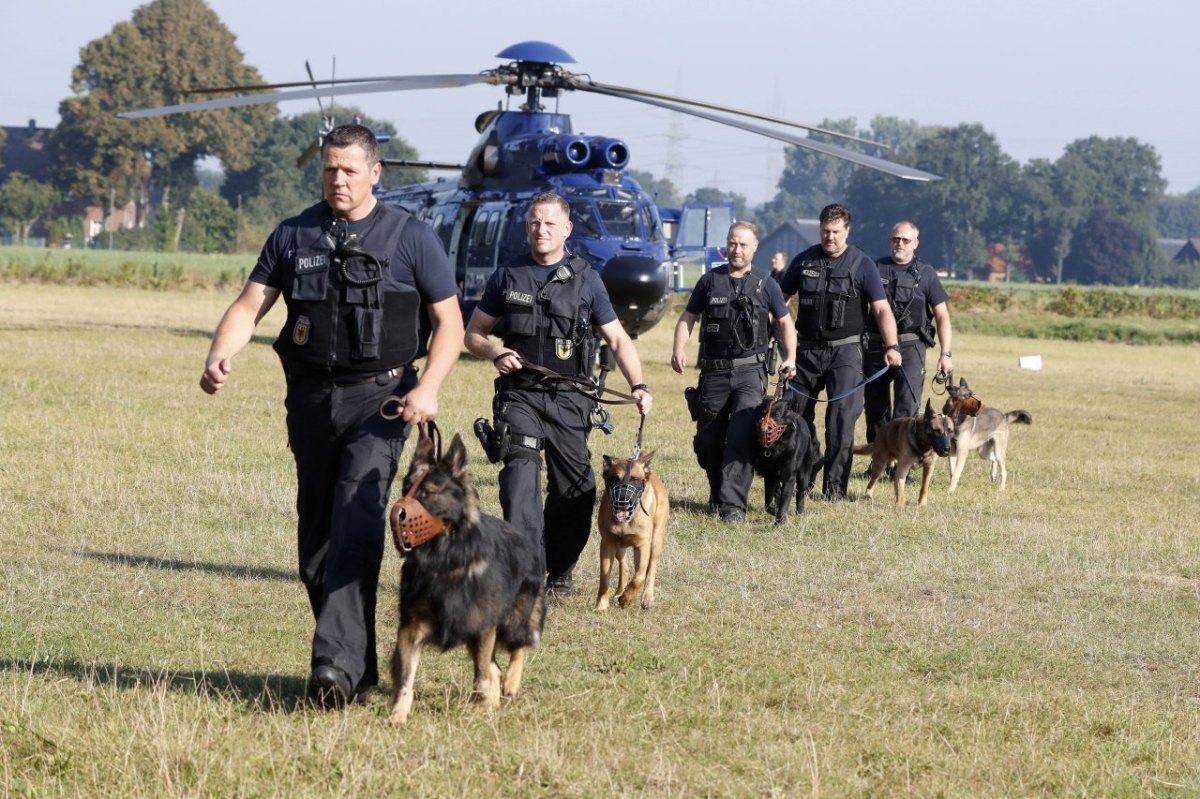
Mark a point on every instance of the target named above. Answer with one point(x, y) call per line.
point(1036, 73)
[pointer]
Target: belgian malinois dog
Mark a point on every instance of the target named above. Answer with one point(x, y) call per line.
point(477, 581)
point(633, 515)
point(978, 427)
point(906, 442)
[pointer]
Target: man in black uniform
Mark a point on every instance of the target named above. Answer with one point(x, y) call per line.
point(916, 296)
point(739, 308)
point(837, 285)
point(365, 285)
point(551, 302)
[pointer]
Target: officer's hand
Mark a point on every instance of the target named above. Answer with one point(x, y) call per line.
point(892, 358)
point(215, 374)
point(678, 361)
point(787, 370)
point(945, 364)
point(419, 405)
point(644, 401)
point(507, 362)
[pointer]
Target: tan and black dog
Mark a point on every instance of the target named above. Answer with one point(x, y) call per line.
point(906, 442)
point(980, 428)
point(633, 515)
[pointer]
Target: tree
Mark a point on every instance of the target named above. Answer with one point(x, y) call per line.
point(167, 48)
point(1179, 216)
point(272, 187)
point(1110, 250)
point(23, 201)
point(210, 224)
point(708, 194)
point(661, 189)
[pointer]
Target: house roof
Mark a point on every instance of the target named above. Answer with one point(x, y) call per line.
point(1181, 250)
point(25, 151)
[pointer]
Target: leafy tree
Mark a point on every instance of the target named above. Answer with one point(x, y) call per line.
point(708, 194)
point(661, 189)
point(1110, 250)
point(23, 201)
point(168, 47)
point(210, 224)
point(3, 140)
point(273, 188)
point(1179, 216)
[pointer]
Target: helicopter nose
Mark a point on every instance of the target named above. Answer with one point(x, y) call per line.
point(639, 289)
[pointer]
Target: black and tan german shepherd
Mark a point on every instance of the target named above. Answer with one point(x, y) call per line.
point(633, 515)
point(788, 465)
point(905, 442)
point(981, 428)
point(479, 583)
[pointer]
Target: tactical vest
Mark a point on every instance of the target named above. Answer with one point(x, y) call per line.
point(902, 287)
point(545, 324)
point(736, 321)
point(345, 310)
point(829, 307)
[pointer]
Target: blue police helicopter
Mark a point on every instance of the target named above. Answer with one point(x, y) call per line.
point(480, 216)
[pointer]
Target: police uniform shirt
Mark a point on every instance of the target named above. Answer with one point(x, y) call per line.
point(772, 295)
point(593, 295)
point(419, 259)
point(928, 286)
point(863, 271)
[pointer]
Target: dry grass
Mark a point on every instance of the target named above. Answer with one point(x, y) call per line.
point(154, 639)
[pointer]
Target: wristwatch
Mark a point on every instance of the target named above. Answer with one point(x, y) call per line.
point(639, 387)
point(895, 347)
point(946, 354)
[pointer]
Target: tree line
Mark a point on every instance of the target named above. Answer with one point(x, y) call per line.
point(1094, 215)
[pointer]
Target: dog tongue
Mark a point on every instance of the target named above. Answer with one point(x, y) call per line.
point(623, 515)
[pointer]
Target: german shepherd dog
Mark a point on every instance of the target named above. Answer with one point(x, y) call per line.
point(980, 428)
point(906, 442)
point(633, 515)
point(789, 465)
point(481, 582)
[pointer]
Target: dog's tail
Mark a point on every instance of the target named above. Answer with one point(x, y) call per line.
point(865, 449)
point(1019, 417)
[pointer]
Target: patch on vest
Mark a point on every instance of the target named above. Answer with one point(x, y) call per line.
point(718, 300)
point(563, 347)
point(301, 330)
point(884, 280)
point(312, 263)
point(714, 327)
point(519, 297)
point(811, 273)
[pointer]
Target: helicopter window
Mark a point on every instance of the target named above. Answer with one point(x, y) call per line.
point(493, 220)
point(651, 223)
point(583, 218)
point(478, 229)
point(620, 219)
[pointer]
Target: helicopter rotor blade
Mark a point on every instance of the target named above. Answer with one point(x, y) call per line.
point(879, 164)
point(402, 162)
point(739, 112)
point(408, 83)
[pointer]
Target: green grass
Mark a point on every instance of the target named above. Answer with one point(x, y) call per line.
point(154, 639)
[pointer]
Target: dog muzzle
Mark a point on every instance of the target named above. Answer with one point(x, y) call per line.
point(769, 430)
point(412, 523)
point(624, 497)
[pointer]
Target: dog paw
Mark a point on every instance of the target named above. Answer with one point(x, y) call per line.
point(398, 719)
point(647, 603)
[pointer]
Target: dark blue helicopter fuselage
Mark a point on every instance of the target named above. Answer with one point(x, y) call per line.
point(481, 217)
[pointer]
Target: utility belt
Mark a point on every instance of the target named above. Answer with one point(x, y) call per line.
point(725, 364)
point(828, 345)
point(527, 380)
point(875, 340)
point(325, 379)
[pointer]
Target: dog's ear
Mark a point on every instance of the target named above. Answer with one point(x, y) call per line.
point(455, 459)
point(607, 462)
point(928, 410)
point(645, 459)
point(963, 387)
point(423, 455)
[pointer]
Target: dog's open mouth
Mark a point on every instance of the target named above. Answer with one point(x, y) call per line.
point(622, 516)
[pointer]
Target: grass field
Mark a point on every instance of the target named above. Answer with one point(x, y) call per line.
point(154, 639)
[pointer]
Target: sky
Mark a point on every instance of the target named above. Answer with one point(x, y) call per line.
point(1037, 74)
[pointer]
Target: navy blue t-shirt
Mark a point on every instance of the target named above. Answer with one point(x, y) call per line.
point(698, 302)
point(419, 259)
point(593, 295)
point(863, 271)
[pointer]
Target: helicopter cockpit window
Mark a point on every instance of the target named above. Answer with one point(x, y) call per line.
point(620, 219)
point(478, 229)
point(651, 223)
point(583, 219)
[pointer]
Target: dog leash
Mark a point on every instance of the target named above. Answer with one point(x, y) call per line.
point(845, 393)
point(583, 385)
point(625, 495)
point(412, 524)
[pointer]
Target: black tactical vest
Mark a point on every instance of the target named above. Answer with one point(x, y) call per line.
point(903, 292)
point(829, 306)
point(544, 323)
point(736, 321)
point(346, 312)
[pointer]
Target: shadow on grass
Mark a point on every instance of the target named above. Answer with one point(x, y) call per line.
point(154, 562)
point(269, 693)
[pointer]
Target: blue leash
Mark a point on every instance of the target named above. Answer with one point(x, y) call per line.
point(846, 393)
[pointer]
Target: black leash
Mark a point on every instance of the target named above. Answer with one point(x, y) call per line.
point(627, 495)
point(583, 385)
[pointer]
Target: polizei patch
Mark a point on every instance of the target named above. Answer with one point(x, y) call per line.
point(519, 297)
point(301, 330)
point(313, 262)
point(811, 273)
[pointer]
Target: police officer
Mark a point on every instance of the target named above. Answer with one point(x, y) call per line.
point(739, 307)
point(368, 291)
point(916, 296)
point(837, 285)
point(551, 303)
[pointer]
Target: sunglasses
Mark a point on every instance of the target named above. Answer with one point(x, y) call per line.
point(901, 239)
